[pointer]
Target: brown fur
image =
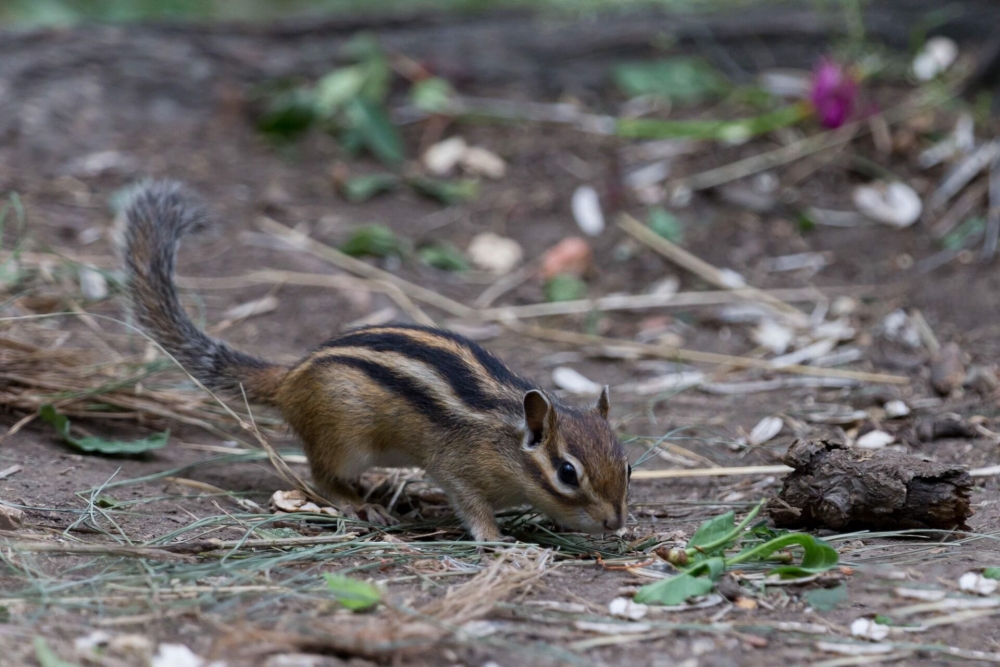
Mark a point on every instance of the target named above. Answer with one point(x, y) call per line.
point(393, 396)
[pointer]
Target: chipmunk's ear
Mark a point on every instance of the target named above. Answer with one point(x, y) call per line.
point(604, 402)
point(539, 417)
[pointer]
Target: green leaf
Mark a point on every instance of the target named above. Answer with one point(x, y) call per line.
point(666, 224)
point(818, 556)
point(713, 567)
point(338, 88)
point(447, 192)
point(374, 127)
point(444, 256)
point(966, 231)
point(565, 287)
point(683, 81)
point(363, 188)
point(713, 530)
point(288, 113)
point(377, 240)
point(825, 599)
point(61, 423)
point(675, 590)
point(46, 657)
point(106, 501)
point(992, 573)
point(353, 594)
point(719, 130)
point(882, 620)
point(433, 95)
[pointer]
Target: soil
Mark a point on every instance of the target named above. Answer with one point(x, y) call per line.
point(69, 112)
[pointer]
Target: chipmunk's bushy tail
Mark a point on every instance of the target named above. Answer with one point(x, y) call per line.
point(156, 215)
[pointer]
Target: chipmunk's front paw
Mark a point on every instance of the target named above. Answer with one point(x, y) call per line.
point(372, 513)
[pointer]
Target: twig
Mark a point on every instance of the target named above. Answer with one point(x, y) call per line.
point(965, 171)
point(800, 149)
point(643, 301)
point(12, 470)
point(711, 472)
point(993, 213)
point(356, 266)
point(100, 549)
point(201, 546)
point(680, 354)
point(696, 265)
point(959, 210)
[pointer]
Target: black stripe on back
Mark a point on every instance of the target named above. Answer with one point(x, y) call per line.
point(493, 365)
point(463, 381)
point(400, 384)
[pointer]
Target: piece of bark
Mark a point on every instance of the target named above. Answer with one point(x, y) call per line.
point(947, 369)
point(10, 517)
point(834, 486)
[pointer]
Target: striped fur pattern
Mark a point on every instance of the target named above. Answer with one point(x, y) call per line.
point(396, 396)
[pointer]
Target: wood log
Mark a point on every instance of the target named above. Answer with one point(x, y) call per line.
point(838, 487)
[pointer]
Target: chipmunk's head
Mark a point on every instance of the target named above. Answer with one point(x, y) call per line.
point(578, 473)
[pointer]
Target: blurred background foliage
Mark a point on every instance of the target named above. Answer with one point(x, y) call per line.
point(34, 13)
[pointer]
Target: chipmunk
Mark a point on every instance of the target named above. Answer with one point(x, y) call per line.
point(391, 396)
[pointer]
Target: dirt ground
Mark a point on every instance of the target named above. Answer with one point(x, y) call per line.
point(243, 176)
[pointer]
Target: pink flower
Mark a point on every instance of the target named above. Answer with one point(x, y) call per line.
point(834, 90)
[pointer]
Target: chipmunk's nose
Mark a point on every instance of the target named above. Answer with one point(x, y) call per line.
point(614, 523)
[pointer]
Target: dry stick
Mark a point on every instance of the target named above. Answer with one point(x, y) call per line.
point(270, 276)
point(152, 553)
point(960, 209)
point(680, 354)
point(757, 470)
point(643, 301)
point(460, 310)
point(711, 472)
point(993, 213)
point(358, 267)
point(808, 146)
point(696, 265)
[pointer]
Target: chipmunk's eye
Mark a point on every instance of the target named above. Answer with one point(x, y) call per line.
point(567, 474)
point(630, 473)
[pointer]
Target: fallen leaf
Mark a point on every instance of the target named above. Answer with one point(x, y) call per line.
point(353, 594)
point(444, 256)
point(93, 284)
point(825, 599)
point(766, 429)
point(61, 423)
point(481, 162)
point(936, 56)
point(773, 336)
point(748, 604)
point(574, 382)
point(11, 518)
point(625, 608)
point(376, 240)
point(495, 253)
point(444, 156)
point(894, 203)
point(874, 440)
point(571, 256)
point(895, 409)
point(587, 211)
point(973, 582)
point(682, 80)
point(565, 287)
point(866, 628)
